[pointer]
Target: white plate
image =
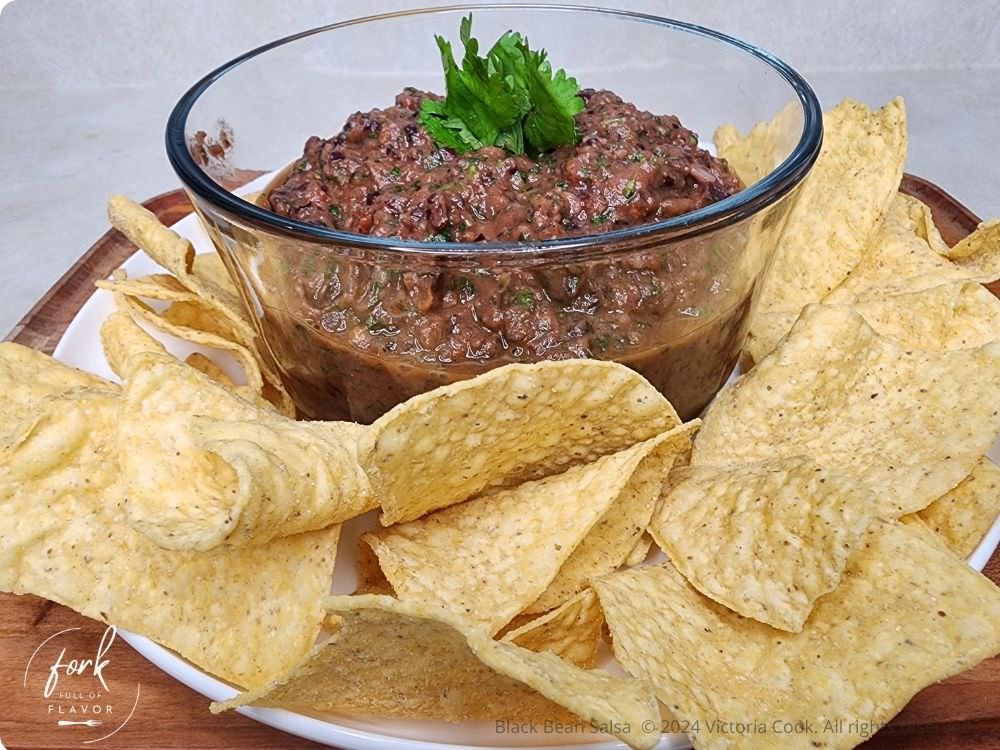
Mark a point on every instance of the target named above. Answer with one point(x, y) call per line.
point(80, 347)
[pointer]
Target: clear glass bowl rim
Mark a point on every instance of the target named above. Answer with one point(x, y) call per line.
point(784, 178)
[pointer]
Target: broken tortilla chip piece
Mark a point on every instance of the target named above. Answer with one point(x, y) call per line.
point(250, 475)
point(394, 658)
point(572, 631)
point(764, 538)
point(907, 614)
point(607, 545)
point(66, 539)
point(512, 424)
point(861, 407)
point(489, 558)
point(963, 516)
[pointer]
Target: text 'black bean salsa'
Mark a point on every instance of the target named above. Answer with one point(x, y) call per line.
point(395, 332)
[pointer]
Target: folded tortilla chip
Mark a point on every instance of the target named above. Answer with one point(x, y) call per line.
point(489, 558)
point(513, 424)
point(764, 538)
point(66, 538)
point(837, 208)
point(964, 515)
point(572, 631)
point(203, 467)
point(613, 538)
point(907, 614)
point(395, 658)
point(861, 407)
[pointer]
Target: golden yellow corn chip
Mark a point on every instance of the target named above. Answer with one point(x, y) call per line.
point(121, 338)
point(641, 550)
point(963, 516)
point(200, 362)
point(861, 407)
point(759, 153)
point(612, 539)
point(512, 424)
point(28, 378)
point(765, 538)
point(246, 359)
point(838, 207)
point(66, 538)
point(395, 658)
point(489, 558)
point(176, 254)
point(572, 631)
point(907, 614)
point(901, 258)
point(250, 475)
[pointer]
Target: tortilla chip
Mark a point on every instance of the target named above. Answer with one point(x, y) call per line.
point(755, 156)
point(907, 614)
point(612, 539)
point(573, 631)
point(121, 338)
point(246, 359)
point(250, 475)
point(963, 516)
point(28, 378)
point(902, 259)
point(836, 210)
point(512, 424)
point(206, 277)
point(861, 407)
point(640, 552)
point(66, 538)
point(177, 255)
point(765, 538)
point(979, 253)
point(203, 364)
point(396, 658)
point(489, 558)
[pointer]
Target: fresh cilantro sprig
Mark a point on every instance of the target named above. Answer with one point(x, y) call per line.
point(510, 98)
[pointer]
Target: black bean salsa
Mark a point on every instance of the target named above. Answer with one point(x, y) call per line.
point(393, 331)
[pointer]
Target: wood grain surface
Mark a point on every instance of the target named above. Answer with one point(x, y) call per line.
point(962, 712)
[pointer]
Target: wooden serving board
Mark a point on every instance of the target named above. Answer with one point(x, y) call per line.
point(963, 711)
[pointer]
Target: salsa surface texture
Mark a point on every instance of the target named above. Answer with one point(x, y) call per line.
point(383, 175)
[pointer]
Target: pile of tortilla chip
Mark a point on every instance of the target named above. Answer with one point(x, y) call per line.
point(810, 531)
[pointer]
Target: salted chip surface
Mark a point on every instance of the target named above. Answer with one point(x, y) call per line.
point(907, 614)
point(394, 658)
point(512, 424)
point(963, 516)
point(489, 558)
point(572, 631)
point(764, 538)
point(66, 539)
point(861, 406)
point(250, 475)
point(612, 539)
point(837, 208)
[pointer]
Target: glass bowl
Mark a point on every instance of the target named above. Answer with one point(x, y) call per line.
point(356, 324)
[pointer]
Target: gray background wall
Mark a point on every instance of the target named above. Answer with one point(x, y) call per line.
point(85, 89)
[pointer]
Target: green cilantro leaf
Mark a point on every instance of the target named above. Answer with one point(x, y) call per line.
point(509, 99)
